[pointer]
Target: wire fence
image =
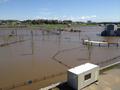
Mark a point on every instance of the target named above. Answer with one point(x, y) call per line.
point(108, 61)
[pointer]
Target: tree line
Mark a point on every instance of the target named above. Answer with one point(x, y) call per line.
point(46, 21)
point(34, 22)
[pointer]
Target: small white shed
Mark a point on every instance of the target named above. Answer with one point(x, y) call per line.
point(83, 75)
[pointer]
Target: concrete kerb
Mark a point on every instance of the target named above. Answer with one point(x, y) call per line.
point(51, 86)
point(102, 68)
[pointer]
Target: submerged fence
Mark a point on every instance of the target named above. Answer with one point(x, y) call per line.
point(108, 62)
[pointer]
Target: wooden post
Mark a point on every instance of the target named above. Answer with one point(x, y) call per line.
point(117, 44)
point(16, 31)
point(32, 43)
point(108, 45)
point(83, 41)
point(43, 33)
point(79, 35)
point(91, 43)
point(16, 34)
point(99, 44)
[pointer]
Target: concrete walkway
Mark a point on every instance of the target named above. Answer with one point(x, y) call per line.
point(109, 80)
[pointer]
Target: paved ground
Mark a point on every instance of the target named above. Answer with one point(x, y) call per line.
point(109, 80)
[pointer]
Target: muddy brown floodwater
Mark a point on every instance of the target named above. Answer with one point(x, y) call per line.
point(41, 58)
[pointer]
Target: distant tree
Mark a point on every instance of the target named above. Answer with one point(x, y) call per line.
point(67, 21)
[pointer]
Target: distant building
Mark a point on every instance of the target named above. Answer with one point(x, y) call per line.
point(111, 30)
point(117, 32)
point(0, 22)
point(102, 25)
point(111, 27)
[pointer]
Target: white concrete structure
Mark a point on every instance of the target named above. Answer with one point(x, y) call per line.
point(115, 27)
point(83, 75)
point(95, 42)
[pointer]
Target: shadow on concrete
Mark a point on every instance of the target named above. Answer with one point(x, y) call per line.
point(64, 86)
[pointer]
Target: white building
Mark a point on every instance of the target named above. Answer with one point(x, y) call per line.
point(111, 27)
point(83, 75)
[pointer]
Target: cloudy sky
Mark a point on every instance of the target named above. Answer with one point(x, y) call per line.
point(77, 10)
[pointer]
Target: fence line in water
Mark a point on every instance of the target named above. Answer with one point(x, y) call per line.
point(62, 51)
point(103, 63)
point(6, 44)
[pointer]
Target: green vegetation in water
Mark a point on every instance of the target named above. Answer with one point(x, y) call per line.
point(57, 26)
point(49, 26)
point(91, 24)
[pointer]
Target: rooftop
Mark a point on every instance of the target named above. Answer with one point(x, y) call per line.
point(82, 68)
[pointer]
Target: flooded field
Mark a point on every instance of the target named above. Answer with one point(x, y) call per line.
point(33, 59)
